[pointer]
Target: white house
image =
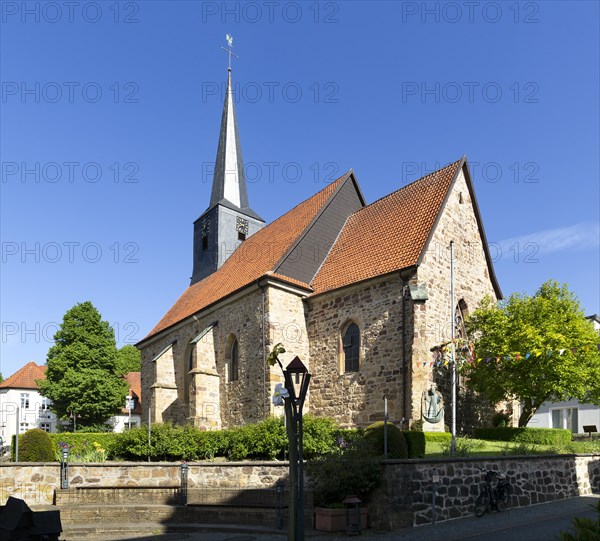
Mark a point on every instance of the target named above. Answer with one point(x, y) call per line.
point(570, 414)
point(131, 415)
point(22, 406)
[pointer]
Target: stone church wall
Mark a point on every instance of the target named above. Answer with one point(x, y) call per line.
point(287, 318)
point(228, 403)
point(432, 318)
point(358, 397)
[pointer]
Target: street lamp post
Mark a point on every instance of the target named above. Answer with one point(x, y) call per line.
point(297, 380)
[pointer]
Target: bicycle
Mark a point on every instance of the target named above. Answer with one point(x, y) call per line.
point(493, 495)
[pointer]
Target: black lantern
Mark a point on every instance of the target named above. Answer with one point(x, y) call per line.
point(297, 379)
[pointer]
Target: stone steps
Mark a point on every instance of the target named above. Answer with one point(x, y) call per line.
point(118, 495)
point(121, 531)
point(83, 514)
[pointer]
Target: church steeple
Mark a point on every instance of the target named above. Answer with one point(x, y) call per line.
point(229, 220)
point(229, 181)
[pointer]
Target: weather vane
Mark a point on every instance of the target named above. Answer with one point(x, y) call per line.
point(229, 39)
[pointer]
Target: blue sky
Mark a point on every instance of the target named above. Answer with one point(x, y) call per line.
point(109, 127)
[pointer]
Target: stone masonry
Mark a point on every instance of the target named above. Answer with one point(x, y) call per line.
point(472, 282)
point(357, 398)
point(402, 500)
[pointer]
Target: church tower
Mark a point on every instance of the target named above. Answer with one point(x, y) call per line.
point(228, 220)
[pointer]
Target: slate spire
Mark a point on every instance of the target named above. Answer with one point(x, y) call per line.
point(229, 181)
point(228, 220)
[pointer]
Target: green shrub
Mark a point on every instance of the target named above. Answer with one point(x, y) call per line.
point(397, 446)
point(347, 471)
point(438, 436)
point(415, 442)
point(417, 425)
point(35, 445)
point(322, 436)
point(540, 436)
point(500, 419)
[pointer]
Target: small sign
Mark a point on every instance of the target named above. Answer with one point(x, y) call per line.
point(129, 403)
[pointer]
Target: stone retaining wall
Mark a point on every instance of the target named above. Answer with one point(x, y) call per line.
point(35, 482)
point(406, 497)
point(403, 500)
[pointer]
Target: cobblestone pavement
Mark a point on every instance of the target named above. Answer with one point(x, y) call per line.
point(540, 522)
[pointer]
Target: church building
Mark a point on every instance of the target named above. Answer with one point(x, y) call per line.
point(360, 292)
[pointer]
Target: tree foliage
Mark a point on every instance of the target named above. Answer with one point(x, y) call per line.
point(82, 375)
point(129, 359)
point(535, 349)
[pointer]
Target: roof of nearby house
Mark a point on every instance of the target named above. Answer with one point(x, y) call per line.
point(25, 377)
point(134, 380)
point(386, 236)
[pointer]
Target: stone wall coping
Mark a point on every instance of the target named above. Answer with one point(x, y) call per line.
point(266, 463)
point(392, 462)
point(110, 464)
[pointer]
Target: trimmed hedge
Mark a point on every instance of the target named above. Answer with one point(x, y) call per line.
point(396, 442)
point(415, 441)
point(540, 436)
point(441, 437)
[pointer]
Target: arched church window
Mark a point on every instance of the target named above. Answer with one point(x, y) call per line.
point(233, 372)
point(351, 348)
point(188, 367)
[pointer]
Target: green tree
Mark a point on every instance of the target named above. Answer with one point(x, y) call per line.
point(129, 359)
point(534, 349)
point(82, 375)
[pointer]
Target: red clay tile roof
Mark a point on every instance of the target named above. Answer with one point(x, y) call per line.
point(25, 377)
point(387, 235)
point(255, 258)
point(134, 379)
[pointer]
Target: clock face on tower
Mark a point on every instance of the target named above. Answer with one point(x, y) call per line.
point(241, 226)
point(205, 225)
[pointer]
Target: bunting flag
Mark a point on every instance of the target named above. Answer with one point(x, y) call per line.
point(465, 354)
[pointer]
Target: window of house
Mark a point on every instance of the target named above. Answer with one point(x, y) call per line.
point(234, 361)
point(565, 418)
point(351, 348)
point(45, 427)
point(25, 401)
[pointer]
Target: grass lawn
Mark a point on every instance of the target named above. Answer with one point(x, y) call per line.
point(473, 447)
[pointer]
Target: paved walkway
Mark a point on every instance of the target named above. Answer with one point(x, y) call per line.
point(540, 522)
